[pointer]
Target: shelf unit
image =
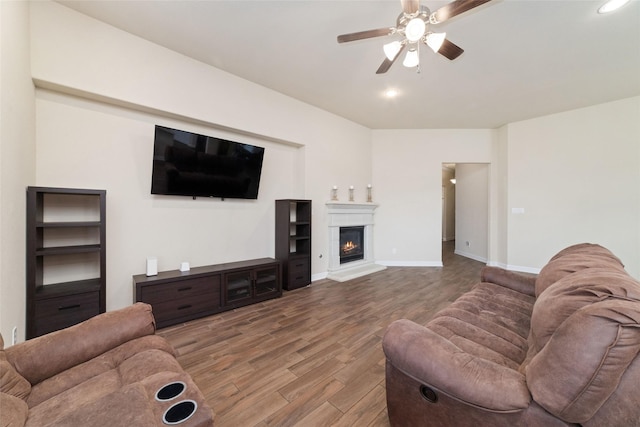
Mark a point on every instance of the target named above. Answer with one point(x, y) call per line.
point(293, 241)
point(66, 257)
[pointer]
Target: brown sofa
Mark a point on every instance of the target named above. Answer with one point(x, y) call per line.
point(559, 349)
point(105, 371)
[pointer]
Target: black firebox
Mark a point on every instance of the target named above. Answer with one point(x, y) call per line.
point(351, 244)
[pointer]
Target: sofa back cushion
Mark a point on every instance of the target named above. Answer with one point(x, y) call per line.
point(572, 292)
point(587, 249)
point(585, 333)
point(578, 370)
point(572, 259)
point(77, 344)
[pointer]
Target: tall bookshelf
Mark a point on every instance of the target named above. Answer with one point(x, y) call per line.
point(66, 257)
point(293, 241)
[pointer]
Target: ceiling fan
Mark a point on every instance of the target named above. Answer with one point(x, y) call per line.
point(414, 24)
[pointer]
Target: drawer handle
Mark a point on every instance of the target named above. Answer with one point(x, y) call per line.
point(68, 307)
point(184, 289)
point(299, 277)
point(300, 265)
point(182, 307)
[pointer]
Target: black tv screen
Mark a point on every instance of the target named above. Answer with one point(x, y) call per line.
point(189, 164)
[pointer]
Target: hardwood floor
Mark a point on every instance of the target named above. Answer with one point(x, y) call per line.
point(313, 357)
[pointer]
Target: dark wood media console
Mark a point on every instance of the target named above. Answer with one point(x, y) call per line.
point(180, 296)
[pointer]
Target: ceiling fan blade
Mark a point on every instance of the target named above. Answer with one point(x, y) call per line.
point(410, 6)
point(450, 50)
point(455, 8)
point(387, 63)
point(364, 35)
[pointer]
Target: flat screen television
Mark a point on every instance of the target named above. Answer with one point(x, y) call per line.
point(189, 164)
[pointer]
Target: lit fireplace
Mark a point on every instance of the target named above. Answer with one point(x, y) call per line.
point(350, 222)
point(351, 244)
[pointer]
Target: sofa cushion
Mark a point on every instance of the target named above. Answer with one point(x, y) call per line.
point(580, 367)
point(111, 382)
point(111, 369)
point(587, 249)
point(13, 411)
point(490, 322)
point(573, 292)
point(11, 382)
point(77, 344)
point(130, 405)
point(570, 263)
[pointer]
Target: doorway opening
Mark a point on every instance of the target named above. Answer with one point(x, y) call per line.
point(465, 209)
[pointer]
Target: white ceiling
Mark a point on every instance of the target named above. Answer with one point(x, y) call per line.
point(522, 59)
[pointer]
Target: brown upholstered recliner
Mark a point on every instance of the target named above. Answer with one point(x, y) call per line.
point(105, 371)
point(559, 349)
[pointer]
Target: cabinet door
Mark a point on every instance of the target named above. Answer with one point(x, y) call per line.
point(237, 287)
point(267, 281)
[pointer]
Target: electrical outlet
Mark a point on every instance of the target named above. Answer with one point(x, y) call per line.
point(14, 335)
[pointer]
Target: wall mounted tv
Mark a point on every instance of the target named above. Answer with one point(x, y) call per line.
point(188, 164)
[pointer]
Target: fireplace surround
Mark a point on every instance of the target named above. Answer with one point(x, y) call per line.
point(350, 216)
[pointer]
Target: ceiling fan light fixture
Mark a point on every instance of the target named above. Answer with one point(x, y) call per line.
point(415, 29)
point(612, 5)
point(391, 49)
point(435, 40)
point(411, 59)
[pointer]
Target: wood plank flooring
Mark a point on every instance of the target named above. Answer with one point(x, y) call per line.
point(313, 357)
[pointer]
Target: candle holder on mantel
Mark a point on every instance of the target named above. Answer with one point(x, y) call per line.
point(369, 198)
point(351, 193)
point(334, 193)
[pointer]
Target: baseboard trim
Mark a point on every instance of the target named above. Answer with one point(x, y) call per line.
point(319, 276)
point(517, 268)
point(521, 269)
point(470, 255)
point(411, 263)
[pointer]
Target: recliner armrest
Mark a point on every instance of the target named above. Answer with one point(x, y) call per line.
point(509, 279)
point(45, 356)
point(432, 359)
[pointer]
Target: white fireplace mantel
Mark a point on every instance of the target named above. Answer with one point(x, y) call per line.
point(350, 214)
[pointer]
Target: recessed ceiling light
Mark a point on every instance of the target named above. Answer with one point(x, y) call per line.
point(391, 93)
point(612, 5)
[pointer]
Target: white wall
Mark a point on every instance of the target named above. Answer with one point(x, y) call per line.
point(498, 218)
point(577, 176)
point(85, 144)
point(407, 174)
point(472, 211)
point(104, 89)
point(17, 167)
